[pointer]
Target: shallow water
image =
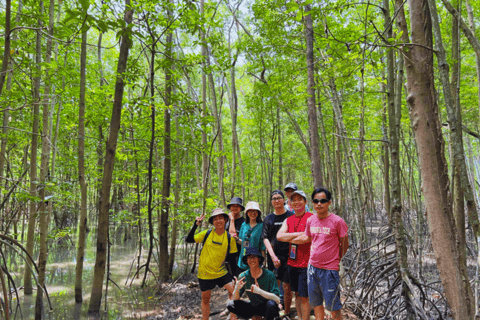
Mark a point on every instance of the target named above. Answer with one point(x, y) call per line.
point(124, 303)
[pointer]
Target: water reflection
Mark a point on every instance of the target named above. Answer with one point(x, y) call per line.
point(60, 279)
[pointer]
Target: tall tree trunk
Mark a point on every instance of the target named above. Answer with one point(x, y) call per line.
point(471, 22)
point(42, 257)
point(82, 222)
point(426, 125)
point(454, 118)
point(6, 48)
point(3, 75)
point(312, 112)
point(27, 281)
point(167, 156)
point(150, 164)
point(385, 147)
point(280, 151)
point(102, 231)
point(204, 113)
point(173, 242)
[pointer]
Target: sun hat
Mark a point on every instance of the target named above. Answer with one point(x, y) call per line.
point(236, 200)
point(252, 205)
point(252, 251)
point(300, 192)
point(291, 185)
point(217, 212)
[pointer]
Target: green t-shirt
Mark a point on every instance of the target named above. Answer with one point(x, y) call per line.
point(253, 236)
point(266, 281)
point(213, 254)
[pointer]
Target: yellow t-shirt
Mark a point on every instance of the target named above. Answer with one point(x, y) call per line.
point(213, 254)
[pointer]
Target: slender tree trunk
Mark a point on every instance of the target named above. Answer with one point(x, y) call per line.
point(426, 125)
point(454, 118)
point(385, 147)
point(280, 150)
point(471, 22)
point(167, 162)
point(82, 222)
point(150, 165)
point(3, 75)
point(42, 258)
point(27, 281)
point(219, 140)
point(102, 231)
point(6, 48)
point(312, 112)
point(173, 242)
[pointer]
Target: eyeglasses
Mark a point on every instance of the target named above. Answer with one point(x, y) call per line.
point(277, 199)
point(316, 201)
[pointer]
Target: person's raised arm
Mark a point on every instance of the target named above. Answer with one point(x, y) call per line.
point(190, 237)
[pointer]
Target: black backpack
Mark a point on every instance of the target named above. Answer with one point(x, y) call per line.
point(227, 257)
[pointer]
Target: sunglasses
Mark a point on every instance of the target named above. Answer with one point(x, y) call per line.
point(316, 201)
point(277, 198)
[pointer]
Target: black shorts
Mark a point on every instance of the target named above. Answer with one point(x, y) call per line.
point(282, 272)
point(298, 280)
point(210, 284)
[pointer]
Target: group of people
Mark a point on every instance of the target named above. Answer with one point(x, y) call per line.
point(302, 252)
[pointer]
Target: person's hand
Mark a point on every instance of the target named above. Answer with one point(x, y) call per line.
point(239, 283)
point(200, 219)
point(276, 262)
point(253, 288)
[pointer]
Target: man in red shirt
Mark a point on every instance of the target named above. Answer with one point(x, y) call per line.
point(293, 231)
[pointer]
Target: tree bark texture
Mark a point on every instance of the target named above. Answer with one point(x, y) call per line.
point(82, 223)
point(312, 113)
point(167, 162)
point(424, 116)
point(27, 281)
point(100, 261)
point(42, 257)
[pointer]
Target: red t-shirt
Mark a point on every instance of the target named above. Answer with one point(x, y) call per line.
point(298, 224)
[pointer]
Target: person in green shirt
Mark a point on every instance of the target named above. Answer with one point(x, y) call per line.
point(251, 232)
point(261, 287)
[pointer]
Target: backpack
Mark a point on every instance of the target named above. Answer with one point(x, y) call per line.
point(226, 262)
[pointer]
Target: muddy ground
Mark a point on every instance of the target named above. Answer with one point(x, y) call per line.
point(180, 300)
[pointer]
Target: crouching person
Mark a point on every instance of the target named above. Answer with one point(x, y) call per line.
point(211, 270)
point(261, 287)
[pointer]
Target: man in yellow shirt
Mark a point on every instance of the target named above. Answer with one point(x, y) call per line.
point(211, 269)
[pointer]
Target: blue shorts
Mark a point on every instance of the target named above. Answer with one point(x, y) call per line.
point(210, 284)
point(324, 284)
point(297, 278)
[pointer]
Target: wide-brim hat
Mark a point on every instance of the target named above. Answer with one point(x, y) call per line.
point(252, 205)
point(217, 212)
point(290, 185)
point(236, 200)
point(300, 192)
point(252, 250)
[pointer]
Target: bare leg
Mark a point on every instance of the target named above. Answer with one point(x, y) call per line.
point(230, 288)
point(298, 306)
point(305, 305)
point(319, 312)
point(287, 297)
point(206, 304)
point(337, 315)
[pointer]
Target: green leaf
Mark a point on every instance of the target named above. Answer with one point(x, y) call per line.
point(299, 15)
point(85, 5)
